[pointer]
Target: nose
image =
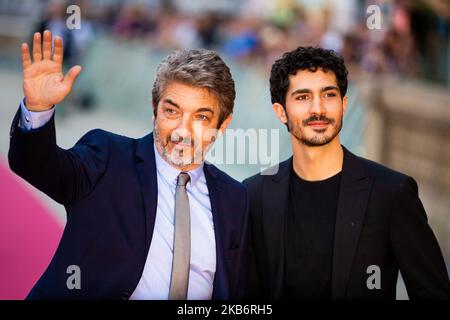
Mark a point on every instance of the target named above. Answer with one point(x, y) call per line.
point(183, 130)
point(317, 107)
point(185, 123)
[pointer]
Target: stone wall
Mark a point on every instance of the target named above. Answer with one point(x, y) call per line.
point(408, 129)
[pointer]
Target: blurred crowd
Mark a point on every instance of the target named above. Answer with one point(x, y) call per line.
point(413, 39)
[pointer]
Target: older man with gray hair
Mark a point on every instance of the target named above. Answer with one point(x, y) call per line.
point(146, 218)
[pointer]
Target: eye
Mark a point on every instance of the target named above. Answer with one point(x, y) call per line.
point(170, 111)
point(202, 117)
point(330, 94)
point(302, 97)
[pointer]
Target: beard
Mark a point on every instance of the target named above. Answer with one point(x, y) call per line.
point(319, 137)
point(179, 156)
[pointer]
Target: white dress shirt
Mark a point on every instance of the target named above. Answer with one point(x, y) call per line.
point(155, 279)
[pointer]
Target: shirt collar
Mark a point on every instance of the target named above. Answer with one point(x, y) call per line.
point(170, 173)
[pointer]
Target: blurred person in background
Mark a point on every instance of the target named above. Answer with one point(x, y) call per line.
point(133, 21)
point(77, 41)
point(146, 218)
point(329, 224)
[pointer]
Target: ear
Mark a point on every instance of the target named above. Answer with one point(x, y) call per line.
point(280, 112)
point(225, 123)
point(344, 104)
point(154, 106)
point(154, 110)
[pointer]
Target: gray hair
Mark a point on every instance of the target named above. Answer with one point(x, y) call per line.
point(199, 68)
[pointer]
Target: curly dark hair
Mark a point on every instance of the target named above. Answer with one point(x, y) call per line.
point(305, 58)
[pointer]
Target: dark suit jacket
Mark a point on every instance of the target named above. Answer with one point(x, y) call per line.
point(380, 221)
point(108, 186)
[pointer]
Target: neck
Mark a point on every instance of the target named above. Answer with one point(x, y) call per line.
point(317, 163)
point(185, 168)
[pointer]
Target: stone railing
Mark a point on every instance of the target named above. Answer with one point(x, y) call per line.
point(408, 129)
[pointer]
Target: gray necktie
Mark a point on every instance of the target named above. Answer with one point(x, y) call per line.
point(181, 242)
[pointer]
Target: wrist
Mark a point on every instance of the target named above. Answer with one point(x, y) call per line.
point(36, 107)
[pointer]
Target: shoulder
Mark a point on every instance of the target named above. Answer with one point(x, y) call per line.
point(226, 181)
point(387, 181)
point(104, 140)
point(103, 146)
point(388, 176)
point(233, 192)
point(100, 135)
point(275, 172)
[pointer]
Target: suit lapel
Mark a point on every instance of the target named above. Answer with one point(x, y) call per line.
point(221, 289)
point(275, 194)
point(353, 196)
point(146, 168)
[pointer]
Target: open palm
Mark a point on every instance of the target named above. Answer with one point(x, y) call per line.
point(44, 84)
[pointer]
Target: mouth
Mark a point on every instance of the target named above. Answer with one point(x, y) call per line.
point(181, 144)
point(318, 124)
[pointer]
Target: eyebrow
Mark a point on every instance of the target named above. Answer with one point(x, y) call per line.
point(173, 103)
point(169, 101)
point(205, 110)
point(327, 88)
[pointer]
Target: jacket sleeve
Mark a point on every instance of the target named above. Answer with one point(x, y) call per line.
point(64, 175)
point(416, 248)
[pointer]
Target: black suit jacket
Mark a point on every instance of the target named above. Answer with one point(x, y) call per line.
point(380, 221)
point(108, 186)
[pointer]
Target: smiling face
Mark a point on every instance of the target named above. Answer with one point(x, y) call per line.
point(186, 124)
point(314, 107)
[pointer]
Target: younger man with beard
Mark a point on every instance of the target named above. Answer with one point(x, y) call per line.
point(329, 224)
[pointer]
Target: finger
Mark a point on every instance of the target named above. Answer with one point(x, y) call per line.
point(47, 45)
point(72, 75)
point(26, 59)
point(37, 47)
point(58, 51)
